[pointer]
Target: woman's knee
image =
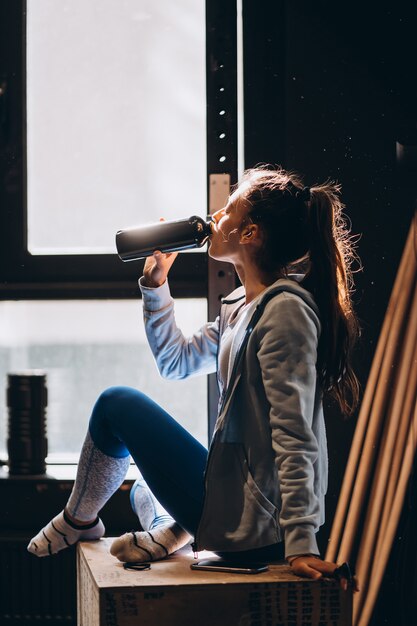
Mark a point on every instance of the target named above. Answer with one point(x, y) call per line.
point(115, 402)
point(112, 408)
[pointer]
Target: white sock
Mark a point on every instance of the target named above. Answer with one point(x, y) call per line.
point(98, 477)
point(161, 534)
point(150, 512)
point(149, 545)
point(61, 533)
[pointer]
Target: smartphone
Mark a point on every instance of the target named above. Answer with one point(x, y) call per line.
point(220, 565)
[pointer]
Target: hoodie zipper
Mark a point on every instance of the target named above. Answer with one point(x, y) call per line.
point(195, 544)
point(252, 323)
point(248, 331)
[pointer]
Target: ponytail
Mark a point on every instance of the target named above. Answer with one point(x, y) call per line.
point(329, 279)
point(304, 230)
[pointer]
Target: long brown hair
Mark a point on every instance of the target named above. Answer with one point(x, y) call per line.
point(305, 229)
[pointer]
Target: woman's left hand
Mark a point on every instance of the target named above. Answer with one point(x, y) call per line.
point(313, 567)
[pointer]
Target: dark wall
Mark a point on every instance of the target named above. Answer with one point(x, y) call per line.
point(350, 96)
point(345, 109)
point(340, 92)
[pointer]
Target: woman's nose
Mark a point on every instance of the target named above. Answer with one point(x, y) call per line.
point(218, 215)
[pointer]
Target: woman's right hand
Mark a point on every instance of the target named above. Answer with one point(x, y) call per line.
point(156, 268)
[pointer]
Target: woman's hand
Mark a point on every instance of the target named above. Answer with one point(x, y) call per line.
point(313, 567)
point(156, 268)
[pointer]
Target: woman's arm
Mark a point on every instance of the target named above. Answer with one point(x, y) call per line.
point(288, 337)
point(287, 354)
point(177, 357)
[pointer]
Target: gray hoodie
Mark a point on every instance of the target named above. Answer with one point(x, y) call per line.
point(266, 473)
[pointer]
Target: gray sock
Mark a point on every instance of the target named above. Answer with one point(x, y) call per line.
point(98, 477)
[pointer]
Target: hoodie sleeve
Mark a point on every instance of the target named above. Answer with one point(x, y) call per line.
point(176, 356)
point(288, 338)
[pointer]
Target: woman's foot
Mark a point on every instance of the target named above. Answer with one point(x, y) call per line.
point(150, 545)
point(62, 532)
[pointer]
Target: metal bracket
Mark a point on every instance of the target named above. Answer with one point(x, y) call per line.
point(221, 76)
point(219, 190)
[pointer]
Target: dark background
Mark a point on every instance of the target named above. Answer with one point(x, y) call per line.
point(340, 91)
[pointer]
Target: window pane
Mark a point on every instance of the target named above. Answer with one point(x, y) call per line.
point(85, 347)
point(115, 118)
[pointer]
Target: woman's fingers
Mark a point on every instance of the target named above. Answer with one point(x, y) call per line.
point(314, 568)
point(164, 261)
point(156, 268)
point(301, 568)
point(164, 258)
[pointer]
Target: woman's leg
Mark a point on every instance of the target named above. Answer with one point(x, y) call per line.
point(171, 460)
point(98, 477)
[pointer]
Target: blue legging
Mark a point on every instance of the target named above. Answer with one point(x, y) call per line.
point(125, 421)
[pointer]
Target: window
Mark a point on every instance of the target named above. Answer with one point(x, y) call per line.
point(113, 134)
point(116, 135)
point(116, 127)
point(84, 347)
point(121, 128)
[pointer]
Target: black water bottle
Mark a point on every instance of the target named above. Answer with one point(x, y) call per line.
point(27, 445)
point(139, 242)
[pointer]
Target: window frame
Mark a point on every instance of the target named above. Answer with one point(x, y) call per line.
point(68, 276)
point(27, 276)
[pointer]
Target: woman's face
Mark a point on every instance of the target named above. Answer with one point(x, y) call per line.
point(226, 230)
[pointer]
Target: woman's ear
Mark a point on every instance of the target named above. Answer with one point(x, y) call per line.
point(249, 234)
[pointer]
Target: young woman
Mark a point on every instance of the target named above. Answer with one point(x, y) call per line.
point(281, 340)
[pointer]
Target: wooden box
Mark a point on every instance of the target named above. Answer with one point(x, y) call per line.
point(170, 593)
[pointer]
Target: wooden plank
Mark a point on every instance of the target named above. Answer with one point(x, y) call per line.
point(88, 600)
